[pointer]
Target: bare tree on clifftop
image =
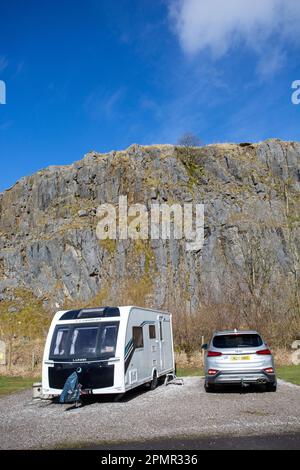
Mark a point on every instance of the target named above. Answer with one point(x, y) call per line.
point(188, 140)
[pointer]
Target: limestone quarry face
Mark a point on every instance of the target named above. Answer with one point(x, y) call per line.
point(48, 221)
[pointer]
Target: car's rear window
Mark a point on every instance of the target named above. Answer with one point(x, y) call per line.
point(237, 340)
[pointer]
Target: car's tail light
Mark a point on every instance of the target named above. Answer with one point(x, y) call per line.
point(269, 370)
point(212, 371)
point(264, 352)
point(213, 353)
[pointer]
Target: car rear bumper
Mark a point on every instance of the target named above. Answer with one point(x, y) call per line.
point(241, 377)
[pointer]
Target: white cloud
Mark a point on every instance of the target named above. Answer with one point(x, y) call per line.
point(219, 26)
point(103, 104)
point(269, 64)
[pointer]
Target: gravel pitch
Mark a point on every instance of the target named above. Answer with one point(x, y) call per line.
point(167, 412)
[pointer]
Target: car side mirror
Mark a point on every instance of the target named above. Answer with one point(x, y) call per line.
point(204, 346)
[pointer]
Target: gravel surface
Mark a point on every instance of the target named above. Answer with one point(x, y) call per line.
point(167, 412)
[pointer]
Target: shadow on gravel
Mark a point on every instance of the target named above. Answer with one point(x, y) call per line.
point(87, 400)
point(227, 389)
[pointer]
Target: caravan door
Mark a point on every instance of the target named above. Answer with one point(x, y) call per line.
point(161, 343)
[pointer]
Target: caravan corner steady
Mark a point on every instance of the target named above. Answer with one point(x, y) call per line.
point(113, 349)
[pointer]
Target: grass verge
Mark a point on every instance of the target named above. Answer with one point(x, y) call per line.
point(189, 371)
point(10, 384)
point(289, 374)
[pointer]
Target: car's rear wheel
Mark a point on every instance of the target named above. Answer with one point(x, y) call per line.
point(271, 387)
point(209, 388)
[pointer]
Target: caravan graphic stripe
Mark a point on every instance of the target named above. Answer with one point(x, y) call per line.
point(128, 345)
point(129, 352)
point(127, 361)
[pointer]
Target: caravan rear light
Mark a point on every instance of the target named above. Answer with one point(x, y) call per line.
point(213, 353)
point(212, 372)
point(264, 352)
point(269, 370)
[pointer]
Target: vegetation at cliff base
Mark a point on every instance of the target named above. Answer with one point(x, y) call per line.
point(24, 325)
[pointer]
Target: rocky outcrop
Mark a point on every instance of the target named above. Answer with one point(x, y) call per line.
point(48, 221)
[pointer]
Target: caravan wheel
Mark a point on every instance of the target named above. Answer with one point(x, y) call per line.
point(154, 382)
point(162, 379)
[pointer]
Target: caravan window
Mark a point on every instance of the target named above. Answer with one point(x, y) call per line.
point(84, 342)
point(152, 332)
point(138, 340)
point(108, 339)
point(60, 343)
point(92, 341)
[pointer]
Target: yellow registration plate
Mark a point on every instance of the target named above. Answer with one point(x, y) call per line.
point(240, 358)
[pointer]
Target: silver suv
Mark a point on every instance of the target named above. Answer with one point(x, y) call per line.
point(238, 357)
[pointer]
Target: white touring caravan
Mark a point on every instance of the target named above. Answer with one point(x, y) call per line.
point(112, 349)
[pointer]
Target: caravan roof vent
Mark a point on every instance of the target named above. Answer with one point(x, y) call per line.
point(91, 313)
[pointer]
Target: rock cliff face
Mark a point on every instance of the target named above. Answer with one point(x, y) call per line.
point(48, 221)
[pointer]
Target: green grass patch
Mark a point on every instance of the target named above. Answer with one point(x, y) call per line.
point(189, 371)
point(10, 385)
point(289, 374)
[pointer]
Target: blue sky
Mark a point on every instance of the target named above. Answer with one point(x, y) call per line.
point(101, 75)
